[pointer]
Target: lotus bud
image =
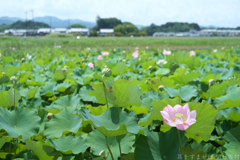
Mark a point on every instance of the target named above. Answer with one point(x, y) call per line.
point(161, 88)
point(13, 79)
point(3, 74)
point(22, 60)
point(150, 68)
point(146, 82)
point(49, 116)
point(211, 82)
point(123, 60)
point(107, 72)
point(65, 68)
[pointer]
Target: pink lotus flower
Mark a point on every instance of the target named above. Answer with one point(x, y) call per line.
point(222, 48)
point(139, 58)
point(215, 50)
point(13, 48)
point(179, 116)
point(88, 48)
point(192, 53)
point(90, 65)
point(183, 67)
point(105, 53)
point(59, 46)
point(147, 47)
point(135, 54)
point(136, 48)
point(161, 61)
point(0, 54)
point(99, 57)
point(124, 51)
point(166, 52)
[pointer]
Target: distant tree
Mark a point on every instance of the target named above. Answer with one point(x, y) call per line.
point(76, 26)
point(3, 27)
point(170, 27)
point(28, 25)
point(107, 22)
point(142, 33)
point(126, 28)
point(238, 28)
point(93, 33)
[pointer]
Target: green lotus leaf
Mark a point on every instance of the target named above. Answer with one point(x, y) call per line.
point(24, 76)
point(63, 121)
point(31, 93)
point(60, 75)
point(97, 142)
point(226, 74)
point(230, 103)
point(159, 145)
point(233, 139)
point(68, 145)
point(185, 92)
point(26, 67)
point(85, 96)
point(16, 122)
point(10, 71)
point(232, 94)
point(62, 87)
point(119, 69)
point(162, 71)
point(208, 77)
point(232, 114)
point(65, 101)
point(97, 111)
point(7, 59)
point(119, 93)
point(9, 98)
point(42, 151)
point(186, 77)
point(112, 122)
point(206, 118)
point(217, 90)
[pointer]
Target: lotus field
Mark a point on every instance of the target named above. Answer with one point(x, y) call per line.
point(140, 104)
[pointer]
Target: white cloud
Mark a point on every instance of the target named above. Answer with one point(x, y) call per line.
point(144, 12)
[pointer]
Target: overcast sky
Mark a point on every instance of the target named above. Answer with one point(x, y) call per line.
point(221, 13)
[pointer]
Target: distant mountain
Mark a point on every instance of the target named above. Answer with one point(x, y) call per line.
point(210, 26)
point(50, 20)
point(9, 20)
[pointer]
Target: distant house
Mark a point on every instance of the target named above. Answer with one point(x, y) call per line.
point(16, 32)
point(59, 30)
point(82, 31)
point(103, 32)
point(43, 31)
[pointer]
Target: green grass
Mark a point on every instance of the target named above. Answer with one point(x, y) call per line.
point(120, 42)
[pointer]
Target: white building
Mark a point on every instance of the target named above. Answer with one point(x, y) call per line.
point(16, 32)
point(43, 31)
point(82, 31)
point(103, 32)
point(59, 30)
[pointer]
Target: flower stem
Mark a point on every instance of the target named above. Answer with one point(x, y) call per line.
point(119, 147)
point(180, 144)
point(109, 149)
point(219, 131)
point(104, 88)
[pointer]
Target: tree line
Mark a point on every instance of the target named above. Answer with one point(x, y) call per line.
point(120, 28)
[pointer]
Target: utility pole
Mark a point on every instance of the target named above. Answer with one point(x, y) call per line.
point(33, 20)
point(50, 24)
point(26, 20)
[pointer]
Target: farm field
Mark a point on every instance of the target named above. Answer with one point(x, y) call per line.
point(119, 98)
point(70, 41)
